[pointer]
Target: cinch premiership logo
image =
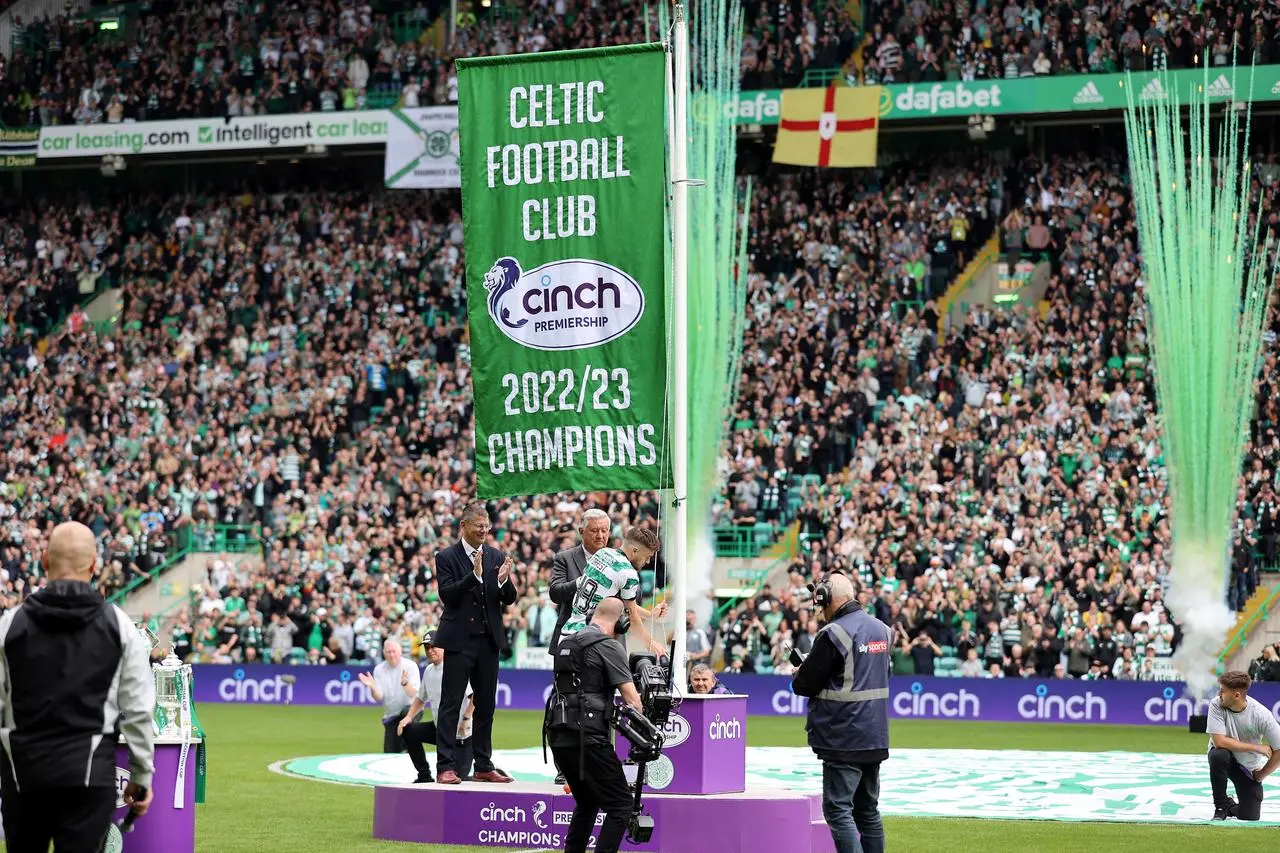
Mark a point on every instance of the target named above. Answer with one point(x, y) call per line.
point(1169, 707)
point(566, 818)
point(676, 731)
point(1088, 94)
point(951, 704)
point(1042, 705)
point(564, 305)
point(1275, 90)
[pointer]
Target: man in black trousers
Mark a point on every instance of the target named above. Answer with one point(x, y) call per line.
point(590, 667)
point(76, 676)
point(475, 586)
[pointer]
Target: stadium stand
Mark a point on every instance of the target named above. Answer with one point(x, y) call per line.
point(921, 41)
point(290, 370)
point(233, 60)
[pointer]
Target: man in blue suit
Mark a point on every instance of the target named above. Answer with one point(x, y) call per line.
point(475, 586)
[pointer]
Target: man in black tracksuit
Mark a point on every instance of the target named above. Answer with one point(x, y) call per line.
point(74, 674)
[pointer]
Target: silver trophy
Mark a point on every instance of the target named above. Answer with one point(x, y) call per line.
point(172, 717)
point(173, 697)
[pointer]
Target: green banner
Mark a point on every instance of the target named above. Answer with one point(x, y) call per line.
point(563, 159)
point(1067, 93)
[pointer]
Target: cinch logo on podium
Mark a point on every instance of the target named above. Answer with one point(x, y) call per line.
point(677, 731)
point(719, 729)
point(495, 814)
point(122, 782)
point(918, 702)
point(566, 818)
point(1043, 705)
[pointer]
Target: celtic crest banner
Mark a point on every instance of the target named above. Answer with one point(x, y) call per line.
point(422, 149)
point(563, 185)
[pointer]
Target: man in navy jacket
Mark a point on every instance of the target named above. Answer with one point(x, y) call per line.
point(475, 586)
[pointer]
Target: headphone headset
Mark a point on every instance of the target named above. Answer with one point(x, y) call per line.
point(621, 627)
point(822, 592)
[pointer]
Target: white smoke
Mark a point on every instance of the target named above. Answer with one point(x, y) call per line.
point(701, 557)
point(1195, 597)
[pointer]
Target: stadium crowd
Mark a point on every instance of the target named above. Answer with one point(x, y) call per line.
point(999, 494)
point(236, 59)
point(298, 363)
point(919, 41)
point(235, 391)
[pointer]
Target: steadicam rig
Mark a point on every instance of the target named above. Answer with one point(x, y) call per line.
point(643, 729)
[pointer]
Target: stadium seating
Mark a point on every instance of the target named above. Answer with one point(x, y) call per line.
point(961, 477)
point(69, 69)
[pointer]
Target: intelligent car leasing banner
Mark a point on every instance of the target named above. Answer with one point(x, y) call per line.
point(1008, 700)
point(563, 159)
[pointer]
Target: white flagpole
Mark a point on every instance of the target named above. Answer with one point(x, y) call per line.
point(680, 282)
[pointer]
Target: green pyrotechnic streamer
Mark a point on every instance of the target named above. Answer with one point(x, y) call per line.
point(717, 264)
point(1208, 289)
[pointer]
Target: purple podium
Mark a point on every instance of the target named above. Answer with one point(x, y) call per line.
point(170, 824)
point(696, 793)
point(705, 750)
point(525, 816)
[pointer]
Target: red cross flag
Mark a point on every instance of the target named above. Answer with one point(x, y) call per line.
point(832, 127)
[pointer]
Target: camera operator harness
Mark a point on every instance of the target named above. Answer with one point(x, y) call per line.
point(582, 701)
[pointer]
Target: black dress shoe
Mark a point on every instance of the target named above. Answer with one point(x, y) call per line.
point(423, 779)
point(1224, 812)
point(560, 780)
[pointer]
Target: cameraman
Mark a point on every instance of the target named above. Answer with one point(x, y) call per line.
point(589, 665)
point(846, 677)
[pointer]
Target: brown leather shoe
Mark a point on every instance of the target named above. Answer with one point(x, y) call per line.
point(494, 775)
point(449, 777)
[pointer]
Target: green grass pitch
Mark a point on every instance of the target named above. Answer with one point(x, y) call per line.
point(252, 810)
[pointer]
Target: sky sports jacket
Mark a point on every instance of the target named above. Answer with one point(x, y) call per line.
point(846, 677)
point(74, 673)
